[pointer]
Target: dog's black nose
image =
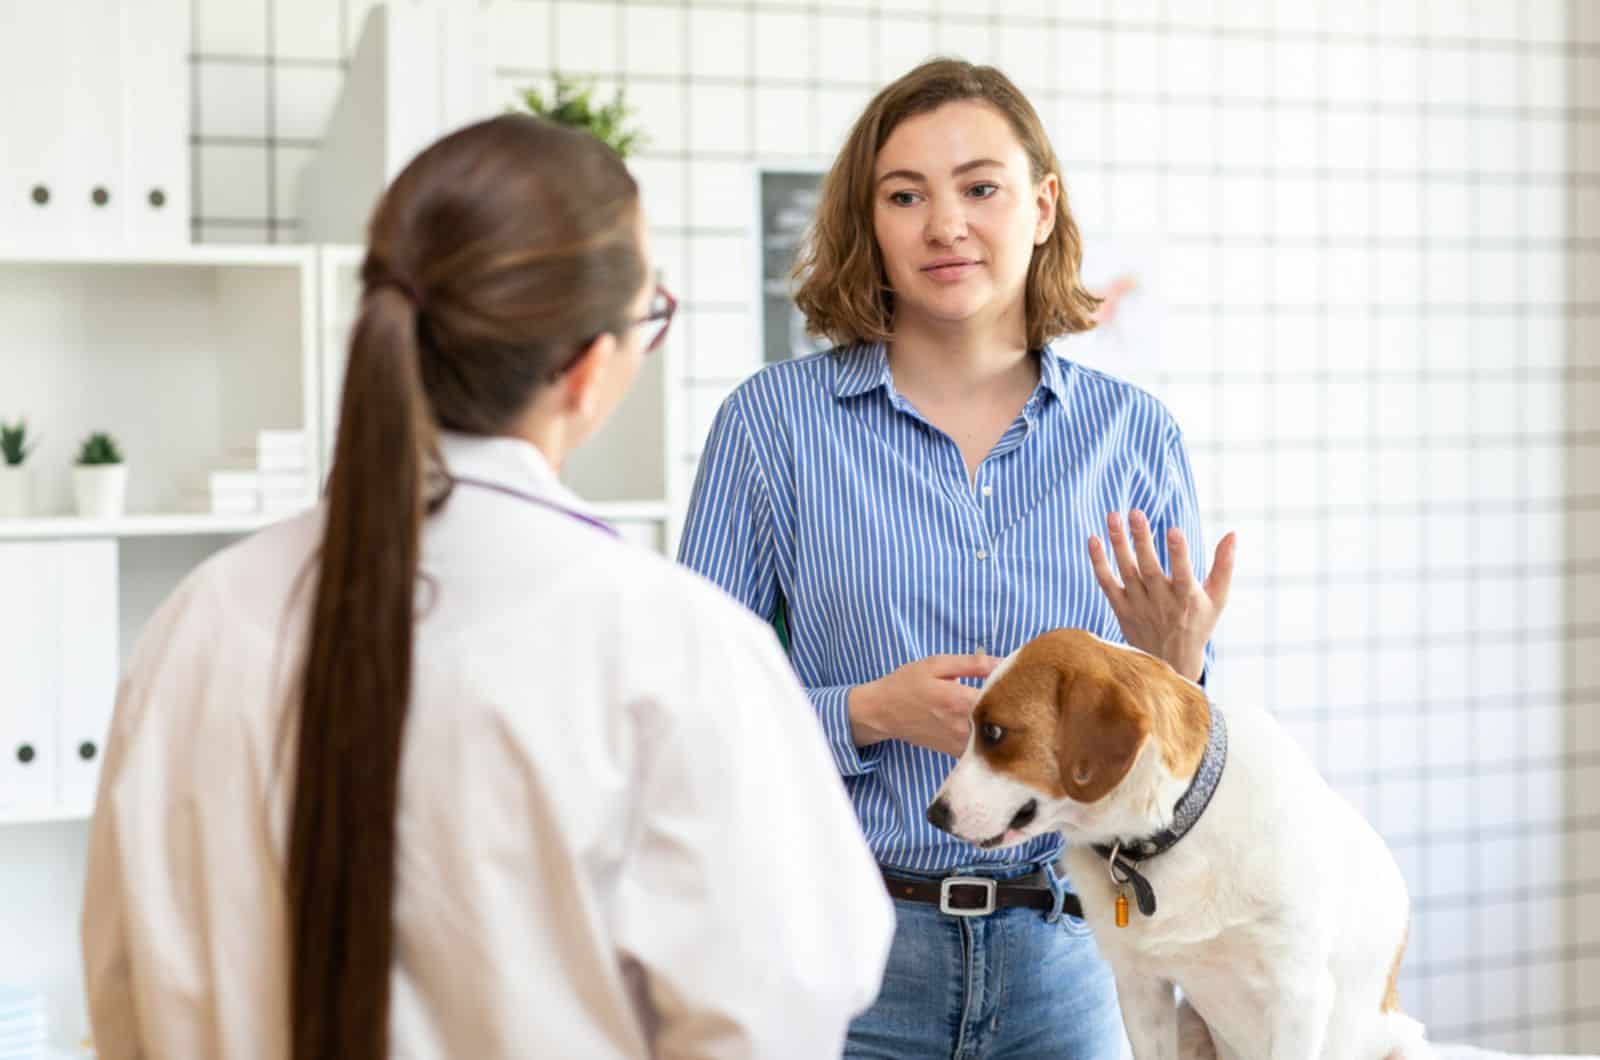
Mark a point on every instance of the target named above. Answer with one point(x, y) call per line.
point(1025, 816)
point(939, 815)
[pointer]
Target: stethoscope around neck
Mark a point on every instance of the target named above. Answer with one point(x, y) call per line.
point(530, 498)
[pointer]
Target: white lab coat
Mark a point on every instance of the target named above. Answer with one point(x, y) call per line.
point(620, 833)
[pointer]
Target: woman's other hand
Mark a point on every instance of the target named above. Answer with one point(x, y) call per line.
point(922, 703)
point(1169, 616)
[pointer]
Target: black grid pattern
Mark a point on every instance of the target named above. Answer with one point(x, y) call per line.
point(1381, 232)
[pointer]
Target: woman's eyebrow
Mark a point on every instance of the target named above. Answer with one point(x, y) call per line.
point(911, 174)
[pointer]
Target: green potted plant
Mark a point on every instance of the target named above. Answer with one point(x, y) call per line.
point(100, 478)
point(16, 488)
point(573, 104)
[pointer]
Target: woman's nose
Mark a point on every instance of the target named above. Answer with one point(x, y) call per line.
point(946, 226)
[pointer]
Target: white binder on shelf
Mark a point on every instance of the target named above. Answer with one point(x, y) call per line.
point(29, 662)
point(155, 122)
point(33, 149)
point(88, 665)
point(96, 147)
point(93, 193)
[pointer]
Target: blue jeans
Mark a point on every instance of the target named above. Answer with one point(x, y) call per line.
point(1010, 984)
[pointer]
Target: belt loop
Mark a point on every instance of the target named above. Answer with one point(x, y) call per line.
point(1058, 891)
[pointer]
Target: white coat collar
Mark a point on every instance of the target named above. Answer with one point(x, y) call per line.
point(514, 463)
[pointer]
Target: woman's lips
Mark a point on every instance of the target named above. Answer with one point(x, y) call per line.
point(950, 271)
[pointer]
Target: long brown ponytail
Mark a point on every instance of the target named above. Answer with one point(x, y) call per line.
point(495, 253)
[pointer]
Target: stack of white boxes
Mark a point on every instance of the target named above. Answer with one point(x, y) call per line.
point(24, 1031)
point(279, 484)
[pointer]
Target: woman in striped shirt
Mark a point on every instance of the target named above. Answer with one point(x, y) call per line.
point(925, 498)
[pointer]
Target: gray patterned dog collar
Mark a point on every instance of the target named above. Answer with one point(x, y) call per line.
point(1124, 856)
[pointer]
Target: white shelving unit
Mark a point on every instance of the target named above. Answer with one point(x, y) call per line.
point(182, 355)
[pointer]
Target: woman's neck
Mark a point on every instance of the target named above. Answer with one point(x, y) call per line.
point(939, 363)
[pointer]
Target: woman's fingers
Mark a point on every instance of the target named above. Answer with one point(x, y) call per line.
point(1127, 565)
point(1178, 552)
point(949, 666)
point(1104, 574)
point(1145, 547)
point(1221, 576)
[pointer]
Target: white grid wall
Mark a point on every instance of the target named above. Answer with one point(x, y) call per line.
point(1380, 232)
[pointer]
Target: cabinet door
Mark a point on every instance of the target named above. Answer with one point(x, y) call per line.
point(88, 665)
point(33, 64)
point(154, 96)
point(29, 628)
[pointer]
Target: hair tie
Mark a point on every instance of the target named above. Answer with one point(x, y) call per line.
point(403, 287)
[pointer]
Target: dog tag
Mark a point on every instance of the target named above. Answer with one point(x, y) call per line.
point(1122, 910)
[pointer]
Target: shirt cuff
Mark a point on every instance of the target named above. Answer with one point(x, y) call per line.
point(832, 704)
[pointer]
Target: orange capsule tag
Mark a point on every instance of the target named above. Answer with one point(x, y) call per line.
point(1122, 910)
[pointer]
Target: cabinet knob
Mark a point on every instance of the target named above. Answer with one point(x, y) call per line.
point(25, 753)
point(158, 198)
point(99, 196)
point(40, 194)
point(87, 750)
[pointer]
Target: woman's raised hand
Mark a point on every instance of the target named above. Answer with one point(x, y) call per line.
point(1169, 616)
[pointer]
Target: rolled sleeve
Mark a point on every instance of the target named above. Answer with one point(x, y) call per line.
point(832, 705)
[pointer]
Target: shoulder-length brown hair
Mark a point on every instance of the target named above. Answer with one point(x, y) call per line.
point(843, 289)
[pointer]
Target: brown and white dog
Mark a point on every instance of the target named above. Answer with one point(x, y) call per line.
point(1280, 914)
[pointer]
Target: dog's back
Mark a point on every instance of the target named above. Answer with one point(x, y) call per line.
point(1279, 888)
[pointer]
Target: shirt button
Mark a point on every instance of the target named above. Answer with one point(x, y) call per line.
point(979, 649)
point(982, 554)
point(988, 491)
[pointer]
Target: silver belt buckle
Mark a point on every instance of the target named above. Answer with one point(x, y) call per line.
point(983, 883)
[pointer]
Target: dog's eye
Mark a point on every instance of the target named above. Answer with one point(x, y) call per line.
point(990, 733)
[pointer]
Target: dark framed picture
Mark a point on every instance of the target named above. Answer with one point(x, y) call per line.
point(786, 201)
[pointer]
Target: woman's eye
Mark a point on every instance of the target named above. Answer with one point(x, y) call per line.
point(991, 733)
point(903, 198)
point(983, 191)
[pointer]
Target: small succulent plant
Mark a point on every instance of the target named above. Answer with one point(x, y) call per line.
point(14, 443)
point(99, 448)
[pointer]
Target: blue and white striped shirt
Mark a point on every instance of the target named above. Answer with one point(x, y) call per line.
point(822, 485)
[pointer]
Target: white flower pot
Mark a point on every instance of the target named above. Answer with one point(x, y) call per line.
point(100, 489)
point(16, 491)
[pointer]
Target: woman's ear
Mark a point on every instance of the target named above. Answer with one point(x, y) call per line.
point(1049, 194)
point(580, 384)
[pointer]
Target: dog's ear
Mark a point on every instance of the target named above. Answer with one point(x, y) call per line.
point(1099, 732)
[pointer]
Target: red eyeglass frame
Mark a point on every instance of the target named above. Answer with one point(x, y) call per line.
point(663, 314)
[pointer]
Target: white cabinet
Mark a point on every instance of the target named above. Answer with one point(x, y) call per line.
point(28, 673)
point(58, 672)
point(95, 151)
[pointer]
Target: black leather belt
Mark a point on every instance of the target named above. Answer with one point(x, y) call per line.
point(981, 895)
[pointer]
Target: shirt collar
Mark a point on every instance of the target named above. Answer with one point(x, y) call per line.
point(1053, 373)
point(864, 366)
point(859, 368)
point(511, 462)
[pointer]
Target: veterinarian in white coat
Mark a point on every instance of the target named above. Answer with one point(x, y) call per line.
point(443, 768)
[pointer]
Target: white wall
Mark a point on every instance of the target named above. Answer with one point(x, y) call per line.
point(1378, 224)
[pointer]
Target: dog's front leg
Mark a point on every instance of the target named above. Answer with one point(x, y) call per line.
point(1300, 1018)
point(1150, 1014)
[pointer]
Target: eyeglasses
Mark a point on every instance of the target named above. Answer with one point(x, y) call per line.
point(662, 306)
